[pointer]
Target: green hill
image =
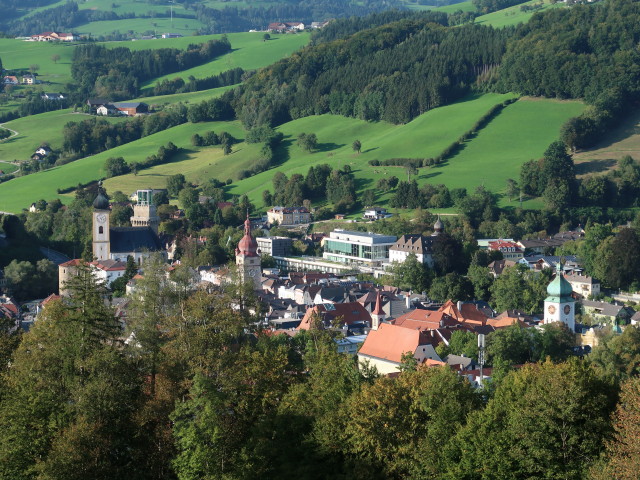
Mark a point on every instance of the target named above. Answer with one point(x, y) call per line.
point(513, 137)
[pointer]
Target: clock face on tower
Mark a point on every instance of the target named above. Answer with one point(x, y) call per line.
point(101, 218)
point(551, 309)
point(567, 309)
point(252, 273)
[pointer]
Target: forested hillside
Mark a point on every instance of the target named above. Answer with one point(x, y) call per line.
point(394, 73)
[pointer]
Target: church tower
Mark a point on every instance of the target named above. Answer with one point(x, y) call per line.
point(438, 227)
point(559, 306)
point(378, 315)
point(101, 213)
point(248, 258)
point(144, 211)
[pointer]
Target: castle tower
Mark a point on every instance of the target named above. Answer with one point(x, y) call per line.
point(101, 213)
point(438, 227)
point(144, 211)
point(559, 306)
point(248, 258)
point(378, 315)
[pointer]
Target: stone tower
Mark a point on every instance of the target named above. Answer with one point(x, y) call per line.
point(144, 211)
point(248, 257)
point(101, 213)
point(559, 306)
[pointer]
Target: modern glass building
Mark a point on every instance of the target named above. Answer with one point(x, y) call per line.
point(358, 248)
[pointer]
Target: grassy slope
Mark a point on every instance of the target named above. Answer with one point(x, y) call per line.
point(425, 136)
point(520, 133)
point(622, 140)
point(191, 97)
point(184, 26)
point(36, 129)
point(249, 52)
point(514, 15)
point(20, 192)
point(18, 54)
point(515, 136)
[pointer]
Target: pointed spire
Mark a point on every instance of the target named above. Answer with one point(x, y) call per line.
point(378, 310)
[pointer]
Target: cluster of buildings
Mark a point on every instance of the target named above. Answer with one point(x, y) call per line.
point(287, 27)
point(23, 80)
point(53, 37)
point(104, 107)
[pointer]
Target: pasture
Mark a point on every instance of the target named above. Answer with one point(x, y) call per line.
point(620, 141)
point(249, 51)
point(36, 129)
point(515, 15)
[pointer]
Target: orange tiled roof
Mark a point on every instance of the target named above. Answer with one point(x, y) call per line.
point(390, 342)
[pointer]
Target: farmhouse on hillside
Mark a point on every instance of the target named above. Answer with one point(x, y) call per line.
point(53, 37)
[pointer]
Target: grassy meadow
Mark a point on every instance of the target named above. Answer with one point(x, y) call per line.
point(141, 26)
point(36, 129)
point(249, 52)
point(19, 55)
point(515, 15)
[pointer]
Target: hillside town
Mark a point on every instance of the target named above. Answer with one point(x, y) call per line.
point(349, 289)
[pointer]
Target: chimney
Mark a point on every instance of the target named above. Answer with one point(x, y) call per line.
point(407, 301)
point(459, 305)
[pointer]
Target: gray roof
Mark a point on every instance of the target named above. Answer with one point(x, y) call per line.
point(134, 239)
point(128, 104)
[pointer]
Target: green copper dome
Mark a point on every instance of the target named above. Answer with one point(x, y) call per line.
point(559, 287)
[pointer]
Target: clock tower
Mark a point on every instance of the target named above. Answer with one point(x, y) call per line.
point(559, 306)
point(248, 257)
point(101, 240)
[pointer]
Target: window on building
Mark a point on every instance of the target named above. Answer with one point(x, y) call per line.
point(100, 230)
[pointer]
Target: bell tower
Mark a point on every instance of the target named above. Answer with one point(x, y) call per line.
point(101, 213)
point(378, 315)
point(248, 257)
point(559, 306)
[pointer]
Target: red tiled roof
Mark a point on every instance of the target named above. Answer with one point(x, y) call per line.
point(422, 320)
point(390, 342)
point(73, 263)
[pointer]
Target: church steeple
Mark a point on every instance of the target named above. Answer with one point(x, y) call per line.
point(248, 257)
point(378, 315)
point(101, 214)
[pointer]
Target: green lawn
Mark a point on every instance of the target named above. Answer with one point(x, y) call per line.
point(36, 129)
point(514, 15)
point(249, 52)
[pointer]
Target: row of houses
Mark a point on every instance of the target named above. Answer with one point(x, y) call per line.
point(23, 80)
point(284, 27)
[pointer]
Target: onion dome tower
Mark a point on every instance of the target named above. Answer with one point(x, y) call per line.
point(559, 306)
point(248, 257)
point(438, 227)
